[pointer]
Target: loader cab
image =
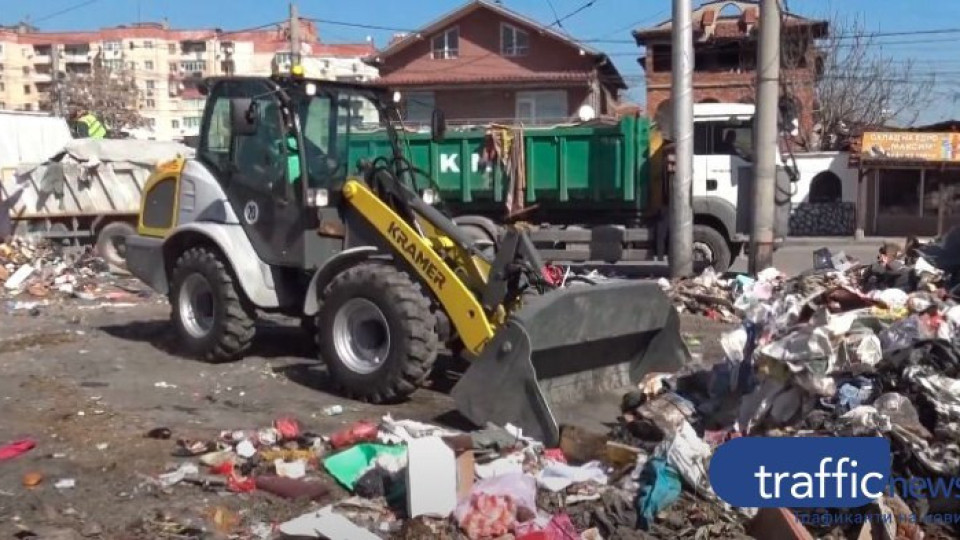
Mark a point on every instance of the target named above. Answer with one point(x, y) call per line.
point(278, 147)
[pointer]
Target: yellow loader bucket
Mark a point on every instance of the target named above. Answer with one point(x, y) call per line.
point(566, 347)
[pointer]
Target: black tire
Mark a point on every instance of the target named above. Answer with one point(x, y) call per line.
point(111, 243)
point(714, 241)
point(232, 326)
point(405, 319)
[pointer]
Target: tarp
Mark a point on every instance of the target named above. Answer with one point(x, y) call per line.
point(94, 151)
point(30, 138)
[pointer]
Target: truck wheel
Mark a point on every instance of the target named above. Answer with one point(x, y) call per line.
point(376, 333)
point(112, 243)
point(710, 248)
point(212, 319)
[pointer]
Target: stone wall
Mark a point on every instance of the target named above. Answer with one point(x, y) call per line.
point(824, 219)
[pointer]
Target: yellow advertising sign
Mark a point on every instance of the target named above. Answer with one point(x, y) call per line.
point(910, 146)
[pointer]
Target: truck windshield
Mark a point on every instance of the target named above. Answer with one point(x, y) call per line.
point(328, 120)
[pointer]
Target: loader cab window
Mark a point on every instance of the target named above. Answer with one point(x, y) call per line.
point(215, 140)
point(328, 120)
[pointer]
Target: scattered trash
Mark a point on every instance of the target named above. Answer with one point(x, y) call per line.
point(65, 483)
point(32, 479)
point(325, 523)
point(16, 448)
point(160, 433)
point(163, 384)
point(333, 410)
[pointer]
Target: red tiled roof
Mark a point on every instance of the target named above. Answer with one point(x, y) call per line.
point(441, 77)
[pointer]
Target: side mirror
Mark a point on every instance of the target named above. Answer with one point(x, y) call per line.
point(243, 116)
point(438, 125)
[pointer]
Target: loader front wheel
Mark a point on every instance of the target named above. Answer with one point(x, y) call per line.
point(376, 333)
point(212, 319)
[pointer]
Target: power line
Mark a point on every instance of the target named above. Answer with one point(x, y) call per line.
point(556, 16)
point(359, 25)
point(65, 10)
point(572, 13)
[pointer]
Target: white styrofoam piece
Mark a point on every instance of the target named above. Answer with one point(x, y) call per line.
point(431, 478)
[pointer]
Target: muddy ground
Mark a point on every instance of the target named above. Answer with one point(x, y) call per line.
point(86, 382)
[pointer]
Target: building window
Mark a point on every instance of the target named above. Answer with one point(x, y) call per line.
point(3, 106)
point(28, 107)
point(112, 46)
point(113, 64)
point(193, 104)
point(148, 65)
point(133, 66)
point(172, 48)
point(419, 106)
point(2, 86)
point(447, 44)
point(193, 66)
point(173, 67)
point(191, 122)
point(175, 123)
point(542, 107)
point(513, 41)
point(898, 193)
point(152, 122)
point(26, 70)
point(147, 44)
point(151, 84)
point(150, 104)
point(26, 89)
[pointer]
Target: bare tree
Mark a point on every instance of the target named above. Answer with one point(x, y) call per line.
point(855, 85)
point(106, 91)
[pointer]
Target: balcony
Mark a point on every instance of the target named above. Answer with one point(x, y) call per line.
point(41, 59)
point(41, 77)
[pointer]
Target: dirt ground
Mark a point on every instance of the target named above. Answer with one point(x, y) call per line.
point(86, 382)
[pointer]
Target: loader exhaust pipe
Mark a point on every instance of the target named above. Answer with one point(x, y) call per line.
point(566, 346)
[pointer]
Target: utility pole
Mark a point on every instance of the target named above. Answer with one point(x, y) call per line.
point(55, 91)
point(294, 35)
point(767, 146)
point(681, 187)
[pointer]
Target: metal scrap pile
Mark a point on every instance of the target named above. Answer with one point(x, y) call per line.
point(34, 272)
point(842, 350)
point(707, 295)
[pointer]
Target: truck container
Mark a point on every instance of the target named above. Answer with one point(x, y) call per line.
point(89, 190)
point(596, 191)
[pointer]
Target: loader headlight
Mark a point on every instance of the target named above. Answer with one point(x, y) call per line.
point(318, 197)
point(429, 196)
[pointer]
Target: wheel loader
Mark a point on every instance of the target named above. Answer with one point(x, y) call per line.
point(269, 218)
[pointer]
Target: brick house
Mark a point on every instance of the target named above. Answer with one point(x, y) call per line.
point(725, 35)
point(484, 63)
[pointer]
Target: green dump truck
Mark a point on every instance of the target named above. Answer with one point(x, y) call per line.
point(594, 192)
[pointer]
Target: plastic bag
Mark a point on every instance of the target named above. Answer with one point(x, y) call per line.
point(496, 504)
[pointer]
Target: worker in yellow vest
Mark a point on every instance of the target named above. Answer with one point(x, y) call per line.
point(88, 125)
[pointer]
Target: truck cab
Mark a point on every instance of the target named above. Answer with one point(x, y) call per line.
point(723, 169)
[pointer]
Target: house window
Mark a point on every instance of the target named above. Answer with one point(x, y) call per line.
point(3, 106)
point(113, 64)
point(28, 106)
point(148, 65)
point(173, 67)
point(151, 85)
point(151, 104)
point(542, 107)
point(147, 44)
point(175, 123)
point(513, 41)
point(172, 48)
point(26, 89)
point(112, 45)
point(447, 44)
point(419, 106)
point(191, 122)
point(152, 122)
point(2, 87)
point(26, 70)
point(133, 66)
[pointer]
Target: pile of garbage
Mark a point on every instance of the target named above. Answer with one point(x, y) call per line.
point(845, 349)
point(33, 272)
point(408, 479)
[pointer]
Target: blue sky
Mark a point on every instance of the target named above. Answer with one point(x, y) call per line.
point(604, 19)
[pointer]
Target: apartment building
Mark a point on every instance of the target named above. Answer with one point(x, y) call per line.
point(167, 65)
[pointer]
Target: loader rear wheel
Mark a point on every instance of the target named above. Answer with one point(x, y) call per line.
point(212, 319)
point(376, 333)
point(112, 243)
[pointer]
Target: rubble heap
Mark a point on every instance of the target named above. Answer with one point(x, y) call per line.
point(36, 271)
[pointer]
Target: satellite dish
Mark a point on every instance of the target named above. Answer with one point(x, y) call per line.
point(586, 113)
point(664, 119)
